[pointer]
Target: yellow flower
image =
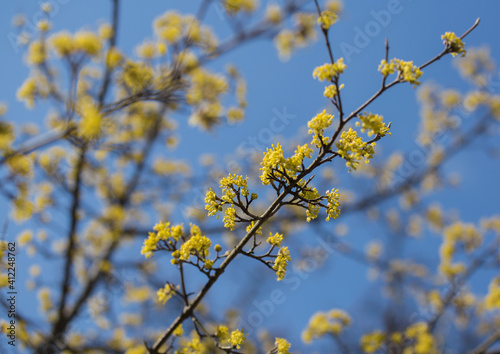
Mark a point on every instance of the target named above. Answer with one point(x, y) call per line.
point(285, 43)
point(165, 293)
point(91, 122)
point(281, 262)
point(333, 206)
point(88, 43)
point(235, 115)
point(113, 57)
point(282, 346)
point(230, 218)
point(329, 71)
point(37, 53)
point(137, 76)
point(454, 43)
point(317, 126)
point(105, 31)
point(237, 338)
point(322, 323)
point(352, 148)
point(235, 6)
point(197, 244)
point(275, 240)
point(43, 25)
point(62, 43)
point(374, 124)
point(331, 91)
point(327, 19)
point(406, 70)
point(273, 14)
point(146, 50)
point(372, 342)
point(492, 299)
point(169, 26)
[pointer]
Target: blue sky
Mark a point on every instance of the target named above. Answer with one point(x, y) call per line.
point(413, 31)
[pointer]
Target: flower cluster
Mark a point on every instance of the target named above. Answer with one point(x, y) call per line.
point(65, 44)
point(32, 88)
point(374, 124)
point(197, 244)
point(206, 87)
point(165, 293)
point(211, 203)
point(311, 195)
point(454, 43)
point(422, 339)
point(275, 166)
point(233, 186)
point(327, 19)
point(406, 70)
point(163, 231)
point(230, 218)
point(236, 338)
point(317, 126)
point(329, 71)
point(282, 346)
point(275, 240)
point(235, 6)
point(331, 91)
point(137, 76)
point(372, 342)
point(281, 262)
point(492, 299)
point(323, 323)
point(228, 184)
point(272, 159)
point(249, 227)
point(453, 234)
point(333, 206)
point(352, 148)
point(91, 122)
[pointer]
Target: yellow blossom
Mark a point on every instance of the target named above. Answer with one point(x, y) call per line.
point(197, 244)
point(105, 31)
point(282, 346)
point(165, 293)
point(454, 43)
point(373, 341)
point(230, 218)
point(169, 26)
point(113, 57)
point(323, 323)
point(285, 43)
point(237, 338)
point(235, 6)
point(62, 43)
point(43, 25)
point(281, 262)
point(331, 91)
point(317, 126)
point(37, 53)
point(273, 14)
point(91, 121)
point(327, 19)
point(352, 148)
point(137, 76)
point(88, 43)
point(373, 123)
point(275, 240)
point(329, 71)
point(333, 206)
